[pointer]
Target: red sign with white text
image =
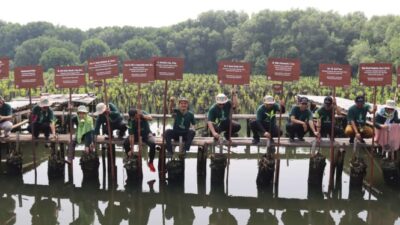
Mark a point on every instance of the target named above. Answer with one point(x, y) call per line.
point(28, 77)
point(70, 77)
point(103, 68)
point(334, 75)
point(138, 71)
point(375, 74)
point(4, 68)
point(233, 72)
point(168, 68)
point(283, 69)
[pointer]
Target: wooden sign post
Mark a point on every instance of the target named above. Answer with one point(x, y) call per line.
point(4, 68)
point(138, 71)
point(373, 75)
point(166, 68)
point(333, 75)
point(282, 70)
point(102, 69)
point(29, 77)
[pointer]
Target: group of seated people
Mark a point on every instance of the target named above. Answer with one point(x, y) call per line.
point(301, 121)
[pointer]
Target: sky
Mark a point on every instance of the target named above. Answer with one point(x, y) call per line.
point(85, 14)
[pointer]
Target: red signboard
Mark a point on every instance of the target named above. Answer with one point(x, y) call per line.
point(398, 76)
point(233, 72)
point(70, 77)
point(138, 71)
point(277, 89)
point(375, 74)
point(334, 75)
point(4, 68)
point(283, 69)
point(168, 68)
point(28, 77)
point(103, 68)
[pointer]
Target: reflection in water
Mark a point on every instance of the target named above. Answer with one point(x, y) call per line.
point(44, 212)
point(7, 207)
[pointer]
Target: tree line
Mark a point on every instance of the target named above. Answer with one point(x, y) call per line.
point(312, 36)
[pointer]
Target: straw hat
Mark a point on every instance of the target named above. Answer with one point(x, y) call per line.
point(82, 109)
point(100, 108)
point(183, 98)
point(268, 99)
point(390, 104)
point(44, 101)
point(221, 99)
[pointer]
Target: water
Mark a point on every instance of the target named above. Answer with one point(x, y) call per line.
point(36, 201)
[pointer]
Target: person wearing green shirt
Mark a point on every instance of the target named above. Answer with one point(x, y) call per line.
point(184, 120)
point(265, 123)
point(116, 120)
point(5, 117)
point(357, 120)
point(42, 119)
point(324, 118)
point(301, 121)
point(218, 116)
point(145, 133)
point(84, 132)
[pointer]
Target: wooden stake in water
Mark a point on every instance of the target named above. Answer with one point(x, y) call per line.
point(162, 152)
point(33, 136)
point(110, 135)
point(139, 106)
point(277, 156)
point(332, 149)
point(373, 140)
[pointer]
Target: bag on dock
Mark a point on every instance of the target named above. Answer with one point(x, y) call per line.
point(176, 170)
point(391, 171)
point(358, 170)
point(14, 163)
point(316, 169)
point(218, 165)
point(56, 167)
point(266, 169)
point(89, 164)
point(133, 167)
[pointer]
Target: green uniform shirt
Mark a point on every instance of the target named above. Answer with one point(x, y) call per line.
point(324, 115)
point(144, 126)
point(216, 114)
point(5, 110)
point(304, 116)
point(115, 116)
point(182, 121)
point(358, 115)
point(43, 116)
point(267, 115)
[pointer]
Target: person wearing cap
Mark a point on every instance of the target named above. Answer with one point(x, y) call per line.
point(5, 117)
point(84, 131)
point(218, 116)
point(357, 120)
point(324, 117)
point(145, 133)
point(265, 123)
point(183, 121)
point(42, 119)
point(300, 121)
point(116, 120)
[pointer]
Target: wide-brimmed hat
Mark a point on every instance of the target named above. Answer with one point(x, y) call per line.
point(268, 99)
point(183, 98)
point(100, 108)
point(221, 99)
point(82, 109)
point(44, 101)
point(390, 104)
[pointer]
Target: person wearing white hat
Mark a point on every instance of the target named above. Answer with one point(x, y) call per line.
point(42, 119)
point(183, 122)
point(5, 117)
point(387, 115)
point(218, 116)
point(116, 120)
point(84, 131)
point(265, 123)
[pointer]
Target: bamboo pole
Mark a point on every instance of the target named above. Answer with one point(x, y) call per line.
point(332, 149)
point(110, 135)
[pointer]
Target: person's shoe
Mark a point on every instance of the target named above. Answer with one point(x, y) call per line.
point(362, 141)
point(255, 141)
point(351, 141)
point(235, 135)
point(46, 138)
point(291, 140)
point(151, 167)
point(301, 139)
point(151, 183)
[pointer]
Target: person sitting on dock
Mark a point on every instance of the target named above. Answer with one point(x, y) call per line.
point(218, 116)
point(357, 120)
point(385, 118)
point(324, 118)
point(145, 133)
point(116, 120)
point(84, 131)
point(42, 119)
point(300, 121)
point(265, 123)
point(5, 117)
point(184, 119)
